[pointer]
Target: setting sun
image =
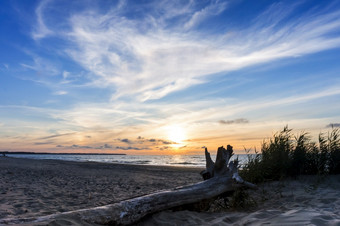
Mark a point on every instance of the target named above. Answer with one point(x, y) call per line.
point(126, 111)
point(176, 134)
point(151, 83)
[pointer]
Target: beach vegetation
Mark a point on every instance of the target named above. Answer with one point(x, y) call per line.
point(286, 154)
point(241, 200)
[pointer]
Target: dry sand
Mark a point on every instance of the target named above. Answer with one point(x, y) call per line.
point(310, 200)
point(30, 188)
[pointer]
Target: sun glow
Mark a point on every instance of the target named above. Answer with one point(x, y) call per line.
point(177, 135)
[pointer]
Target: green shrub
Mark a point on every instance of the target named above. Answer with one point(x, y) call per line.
point(252, 171)
point(275, 154)
point(333, 152)
point(298, 155)
point(287, 155)
point(241, 200)
point(313, 163)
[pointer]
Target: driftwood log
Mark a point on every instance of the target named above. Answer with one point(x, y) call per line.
point(219, 177)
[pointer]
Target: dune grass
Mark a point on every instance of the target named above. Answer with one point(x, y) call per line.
point(286, 154)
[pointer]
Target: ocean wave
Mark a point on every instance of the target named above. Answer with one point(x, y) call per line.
point(141, 162)
point(183, 163)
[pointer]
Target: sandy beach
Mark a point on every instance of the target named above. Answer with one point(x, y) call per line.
point(307, 201)
point(31, 188)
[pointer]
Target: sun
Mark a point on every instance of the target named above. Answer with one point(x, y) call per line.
point(176, 134)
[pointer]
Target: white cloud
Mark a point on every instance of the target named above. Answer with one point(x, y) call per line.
point(61, 92)
point(42, 67)
point(41, 30)
point(152, 62)
point(200, 118)
point(160, 52)
point(66, 74)
point(121, 115)
point(212, 9)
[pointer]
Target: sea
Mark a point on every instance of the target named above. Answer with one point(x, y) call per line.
point(159, 160)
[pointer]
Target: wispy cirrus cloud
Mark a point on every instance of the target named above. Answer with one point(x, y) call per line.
point(4, 67)
point(211, 10)
point(42, 67)
point(141, 54)
point(41, 30)
point(56, 136)
point(106, 122)
point(116, 117)
point(157, 54)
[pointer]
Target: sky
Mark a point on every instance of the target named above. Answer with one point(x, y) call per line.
point(165, 77)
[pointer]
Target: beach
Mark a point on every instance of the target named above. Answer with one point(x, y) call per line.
point(310, 200)
point(32, 188)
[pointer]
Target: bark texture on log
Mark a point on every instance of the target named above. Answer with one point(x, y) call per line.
point(223, 178)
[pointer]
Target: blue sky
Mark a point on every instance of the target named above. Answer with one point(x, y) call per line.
point(165, 77)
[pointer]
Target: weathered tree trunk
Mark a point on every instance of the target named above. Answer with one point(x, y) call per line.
point(223, 178)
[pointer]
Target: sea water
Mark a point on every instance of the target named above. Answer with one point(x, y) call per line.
point(159, 160)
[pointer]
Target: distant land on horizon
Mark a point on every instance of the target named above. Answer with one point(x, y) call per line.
point(47, 153)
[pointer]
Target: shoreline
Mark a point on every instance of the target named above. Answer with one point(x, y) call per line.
point(174, 166)
point(190, 161)
point(4, 153)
